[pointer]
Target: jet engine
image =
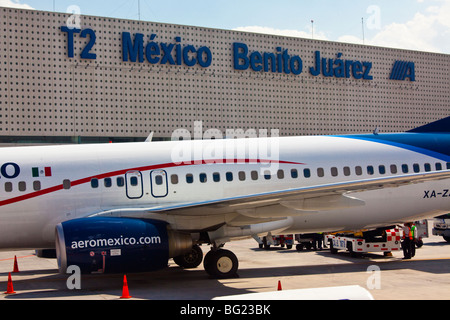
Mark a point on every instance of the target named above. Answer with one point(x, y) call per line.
point(118, 245)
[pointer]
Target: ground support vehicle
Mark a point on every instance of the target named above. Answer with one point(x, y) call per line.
point(441, 227)
point(308, 241)
point(422, 232)
point(279, 240)
point(380, 240)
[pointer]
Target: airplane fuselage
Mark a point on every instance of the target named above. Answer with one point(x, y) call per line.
point(41, 187)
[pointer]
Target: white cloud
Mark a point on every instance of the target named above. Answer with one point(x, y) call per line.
point(425, 31)
point(350, 39)
point(285, 32)
point(420, 33)
point(14, 4)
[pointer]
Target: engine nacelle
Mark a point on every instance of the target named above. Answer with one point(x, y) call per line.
point(118, 245)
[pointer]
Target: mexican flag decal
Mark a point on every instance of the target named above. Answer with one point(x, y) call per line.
point(42, 172)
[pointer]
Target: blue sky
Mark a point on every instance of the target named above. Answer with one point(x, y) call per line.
point(410, 24)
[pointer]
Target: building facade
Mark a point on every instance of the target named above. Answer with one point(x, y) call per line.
point(80, 79)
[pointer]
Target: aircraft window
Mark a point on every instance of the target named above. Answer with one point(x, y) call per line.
point(159, 180)
point(393, 169)
point(382, 169)
point(416, 168)
point(347, 171)
point(22, 186)
point(203, 178)
point(229, 176)
point(280, 174)
point(438, 166)
point(334, 172)
point(37, 185)
point(189, 178)
point(94, 183)
point(294, 173)
point(358, 171)
point(120, 181)
point(320, 172)
point(8, 187)
point(133, 181)
point(405, 168)
point(370, 170)
point(267, 175)
point(241, 175)
point(427, 167)
point(174, 179)
point(307, 173)
point(108, 182)
point(66, 184)
point(254, 175)
point(216, 177)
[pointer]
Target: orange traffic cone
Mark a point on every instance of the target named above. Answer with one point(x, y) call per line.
point(10, 289)
point(279, 286)
point(16, 267)
point(125, 292)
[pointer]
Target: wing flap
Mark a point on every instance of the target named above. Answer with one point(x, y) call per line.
point(323, 203)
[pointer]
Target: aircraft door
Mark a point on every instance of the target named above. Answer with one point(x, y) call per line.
point(159, 183)
point(134, 185)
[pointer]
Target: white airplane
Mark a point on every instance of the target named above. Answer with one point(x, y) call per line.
point(131, 207)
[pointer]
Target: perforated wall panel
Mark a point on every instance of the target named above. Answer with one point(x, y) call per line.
point(43, 92)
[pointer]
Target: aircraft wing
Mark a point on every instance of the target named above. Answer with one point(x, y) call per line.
point(283, 203)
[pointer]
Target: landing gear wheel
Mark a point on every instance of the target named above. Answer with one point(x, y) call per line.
point(190, 260)
point(266, 246)
point(221, 264)
point(332, 249)
point(419, 244)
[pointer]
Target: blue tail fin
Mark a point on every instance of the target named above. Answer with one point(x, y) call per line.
point(440, 126)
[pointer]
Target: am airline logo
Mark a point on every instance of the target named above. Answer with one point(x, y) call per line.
point(402, 70)
point(12, 170)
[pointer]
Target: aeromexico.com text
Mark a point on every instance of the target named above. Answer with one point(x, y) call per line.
point(111, 242)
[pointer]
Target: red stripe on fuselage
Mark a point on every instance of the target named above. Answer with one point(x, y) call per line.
point(141, 169)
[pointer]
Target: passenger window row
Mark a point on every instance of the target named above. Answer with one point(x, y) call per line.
point(254, 175)
point(108, 182)
point(307, 173)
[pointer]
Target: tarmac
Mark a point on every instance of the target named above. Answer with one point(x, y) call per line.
point(425, 277)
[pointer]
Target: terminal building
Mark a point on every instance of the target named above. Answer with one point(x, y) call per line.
point(85, 79)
